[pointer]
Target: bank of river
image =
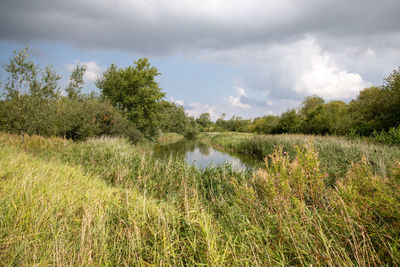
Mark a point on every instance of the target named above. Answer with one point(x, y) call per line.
point(203, 155)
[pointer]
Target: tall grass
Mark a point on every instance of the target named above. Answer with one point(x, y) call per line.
point(106, 202)
point(335, 153)
point(168, 138)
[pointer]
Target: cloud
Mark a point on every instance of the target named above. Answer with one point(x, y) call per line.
point(290, 71)
point(92, 72)
point(307, 69)
point(245, 102)
point(195, 109)
point(240, 91)
point(284, 49)
point(236, 102)
point(177, 101)
point(165, 26)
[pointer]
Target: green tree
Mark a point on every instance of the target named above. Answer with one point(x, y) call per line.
point(29, 94)
point(368, 110)
point(391, 100)
point(311, 110)
point(76, 81)
point(337, 117)
point(290, 121)
point(173, 118)
point(204, 120)
point(135, 91)
point(266, 124)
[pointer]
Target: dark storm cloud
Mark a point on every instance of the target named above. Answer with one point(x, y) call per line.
point(168, 26)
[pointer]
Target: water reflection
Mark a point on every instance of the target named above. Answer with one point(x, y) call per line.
point(203, 155)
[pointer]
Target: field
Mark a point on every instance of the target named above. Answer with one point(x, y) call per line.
point(326, 201)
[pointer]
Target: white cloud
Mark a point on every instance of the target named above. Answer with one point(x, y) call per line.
point(291, 70)
point(92, 72)
point(177, 101)
point(235, 101)
point(310, 70)
point(195, 109)
point(240, 91)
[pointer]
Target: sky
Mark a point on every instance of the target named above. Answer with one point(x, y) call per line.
point(245, 58)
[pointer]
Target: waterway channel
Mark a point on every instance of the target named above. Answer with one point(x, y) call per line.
point(203, 155)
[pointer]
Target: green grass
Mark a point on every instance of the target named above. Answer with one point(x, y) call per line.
point(335, 153)
point(107, 202)
point(168, 138)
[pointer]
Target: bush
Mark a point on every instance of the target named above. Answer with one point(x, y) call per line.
point(391, 137)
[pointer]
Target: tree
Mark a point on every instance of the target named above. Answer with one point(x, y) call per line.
point(29, 93)
point(289, 121)
point(135, 91)
point(391, 99)
point(368, 110)
point(173, 118)
point(311, 109)
point(26, 78)
point(204, 120)
point(337, 117)
point(76, 81)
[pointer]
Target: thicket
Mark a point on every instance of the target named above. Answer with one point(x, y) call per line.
point(105, 201)
point(32, 102)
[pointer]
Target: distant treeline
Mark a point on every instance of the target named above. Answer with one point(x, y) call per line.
point(375, 112)
point(131, 103)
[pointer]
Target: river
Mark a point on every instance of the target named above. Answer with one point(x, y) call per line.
point(204, 155)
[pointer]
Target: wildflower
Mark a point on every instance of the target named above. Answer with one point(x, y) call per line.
point(284, 153)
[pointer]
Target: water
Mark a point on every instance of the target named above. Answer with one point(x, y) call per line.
point(203, 155)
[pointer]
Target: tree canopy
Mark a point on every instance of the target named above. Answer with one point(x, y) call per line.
point(135, 91)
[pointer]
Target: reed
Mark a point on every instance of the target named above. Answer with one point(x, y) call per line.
point(107, 202)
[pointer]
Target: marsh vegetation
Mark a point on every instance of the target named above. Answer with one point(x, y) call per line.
point(107, 179)
point(108, 201)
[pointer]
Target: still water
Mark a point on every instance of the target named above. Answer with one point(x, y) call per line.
point(203, 155)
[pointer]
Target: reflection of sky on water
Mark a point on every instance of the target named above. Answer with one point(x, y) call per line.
point(203, 155)
point(214, 158)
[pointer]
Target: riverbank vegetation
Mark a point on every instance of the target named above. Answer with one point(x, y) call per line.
point(79, 184)
point(105, 200)
point(336, 154)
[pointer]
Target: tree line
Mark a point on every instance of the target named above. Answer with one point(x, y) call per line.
point(130, 103)
point(375, 112)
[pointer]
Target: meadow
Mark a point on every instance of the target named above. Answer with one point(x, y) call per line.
point(105, 201)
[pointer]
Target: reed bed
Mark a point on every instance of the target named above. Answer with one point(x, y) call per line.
point(107, 202)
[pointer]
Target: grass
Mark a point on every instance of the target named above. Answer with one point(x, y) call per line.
point(107, 202)
point(335, 153)
point(168, 138)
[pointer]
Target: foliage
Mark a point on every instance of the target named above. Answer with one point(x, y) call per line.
point(204, 120)
point(289, 121)
point(391, 137)
point(235, 124)
point(33, 104)
point(76, 81)
point(134, 91)
point(173, 119)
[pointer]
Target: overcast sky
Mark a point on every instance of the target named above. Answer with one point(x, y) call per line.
point(246, 58)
